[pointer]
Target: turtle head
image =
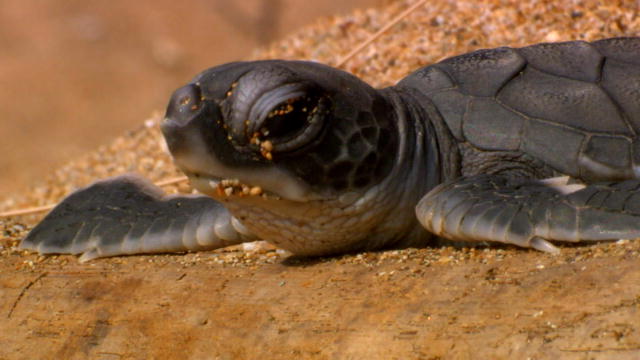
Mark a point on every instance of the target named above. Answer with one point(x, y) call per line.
point(294, 150)
point(299, 130)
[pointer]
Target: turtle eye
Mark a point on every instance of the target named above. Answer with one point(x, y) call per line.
point(288, 118)
point(294, 123)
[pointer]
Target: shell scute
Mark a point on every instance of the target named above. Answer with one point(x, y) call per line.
point(580, 105)
point(483, 72)
point(577, 60)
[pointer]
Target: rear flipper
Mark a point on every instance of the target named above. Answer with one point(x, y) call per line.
point(129, 215)
point(528, 213)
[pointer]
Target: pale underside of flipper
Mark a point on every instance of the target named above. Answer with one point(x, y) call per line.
point(129, 215)
point(531, 213)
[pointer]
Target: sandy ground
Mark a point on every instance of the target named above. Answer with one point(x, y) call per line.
point(410, 304)
point(431, 303)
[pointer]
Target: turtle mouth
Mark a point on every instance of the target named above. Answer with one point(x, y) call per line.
point(227, 188)
point(234, 187)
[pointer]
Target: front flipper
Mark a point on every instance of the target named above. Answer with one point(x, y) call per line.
point(129, 215)
point(528, 213)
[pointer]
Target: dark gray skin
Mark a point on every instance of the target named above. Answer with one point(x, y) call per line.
point(521, 146)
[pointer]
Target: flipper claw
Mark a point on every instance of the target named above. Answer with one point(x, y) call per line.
point(541, 244)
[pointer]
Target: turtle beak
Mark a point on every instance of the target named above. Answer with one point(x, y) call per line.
point(184, 106)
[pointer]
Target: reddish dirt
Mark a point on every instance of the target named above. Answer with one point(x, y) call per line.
point(410, 304)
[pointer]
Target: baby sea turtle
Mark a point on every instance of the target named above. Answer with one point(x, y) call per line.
point(521, 146)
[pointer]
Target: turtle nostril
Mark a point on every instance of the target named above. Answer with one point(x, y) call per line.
point(184, 102)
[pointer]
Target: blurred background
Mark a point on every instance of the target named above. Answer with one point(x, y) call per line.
point(74, 74)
